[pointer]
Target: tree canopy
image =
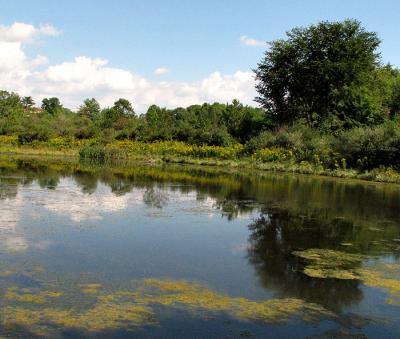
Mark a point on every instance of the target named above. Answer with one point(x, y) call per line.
point(52, 106)
point(327, 74)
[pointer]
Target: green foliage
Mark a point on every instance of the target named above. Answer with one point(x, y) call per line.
point(52, 106)
point(90, 108)
point(28, 103)
point(35, 133)
point(273, 154)
point(135, 149)
point(9, 140)
point(370, 147)
point(123, 107)
point(305, 144)
point(96, 152)
point(10, 104)
point(324, 71)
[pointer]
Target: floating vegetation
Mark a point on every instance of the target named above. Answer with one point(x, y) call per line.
point(386, 277)
point(90, 288)
point(325, 263)
point(137, 307)
point(102, 316)
point(26, 296)
point(6, 274)
point(195, 297)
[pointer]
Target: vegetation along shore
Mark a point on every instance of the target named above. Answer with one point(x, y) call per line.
point(327, 106)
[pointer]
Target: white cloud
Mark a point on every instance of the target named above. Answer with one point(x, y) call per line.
point(74, 80)
point(48, 30)
point(161, 71)
point(247, 41)
point(23, 33)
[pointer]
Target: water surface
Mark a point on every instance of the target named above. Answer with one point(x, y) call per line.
point(175, 251)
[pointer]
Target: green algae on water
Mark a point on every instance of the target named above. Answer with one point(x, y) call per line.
point(385, 277)
point(90, 288)
point(27, 296)
point(107, 310)
point(326, 263)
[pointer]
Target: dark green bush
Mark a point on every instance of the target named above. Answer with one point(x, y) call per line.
point(214, 137)
point(370, 147)
point(33, 134)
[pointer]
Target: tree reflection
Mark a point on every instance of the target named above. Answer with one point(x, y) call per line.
point(8, 188)
point(279, 232)
point(155, 198)
point(86, 180)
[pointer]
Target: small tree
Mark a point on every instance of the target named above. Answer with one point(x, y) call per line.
point(123, 107)
point(10, 105)
point(90, 108)
point(27, 102)
point(52, 106)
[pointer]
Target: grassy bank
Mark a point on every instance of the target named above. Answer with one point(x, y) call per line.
point(236, 156)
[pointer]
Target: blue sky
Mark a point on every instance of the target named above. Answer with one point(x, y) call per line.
point(192, 39)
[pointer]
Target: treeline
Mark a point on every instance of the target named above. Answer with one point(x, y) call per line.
point(210, 124)
point(325, 99)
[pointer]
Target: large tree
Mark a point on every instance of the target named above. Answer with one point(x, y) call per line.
point(323, 74)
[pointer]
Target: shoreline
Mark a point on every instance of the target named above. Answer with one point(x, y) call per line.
point(387, 176)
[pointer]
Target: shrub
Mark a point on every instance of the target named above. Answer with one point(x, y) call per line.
point(273, 154)
point(264, 140)
point(8, 140)
point(370, 147)
point(33, 134)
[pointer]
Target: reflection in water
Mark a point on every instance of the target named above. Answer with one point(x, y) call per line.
point(10, 238)
point(322, 249)
point(155, 198)
point(78, 206)
point(276, 234)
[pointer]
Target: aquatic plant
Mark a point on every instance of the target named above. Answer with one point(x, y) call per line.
point(196, 297)
point(326, 263)
point(385, 277)
point(103, 310)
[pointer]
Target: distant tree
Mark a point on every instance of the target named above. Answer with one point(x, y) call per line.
point(10, 104)
point(324, 72)
point(123, 107)
point(52, 106)
point(90, 108)
point(27, 102)
point(160, 123)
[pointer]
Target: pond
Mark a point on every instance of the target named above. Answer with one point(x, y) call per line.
point(175, 251)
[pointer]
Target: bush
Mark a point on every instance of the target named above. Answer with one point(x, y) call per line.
point(8, 140)
point(273, 154)
point(306, 144)
point(33, 134)
point(264, 140)
point(370, 147)
point(214, 137)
